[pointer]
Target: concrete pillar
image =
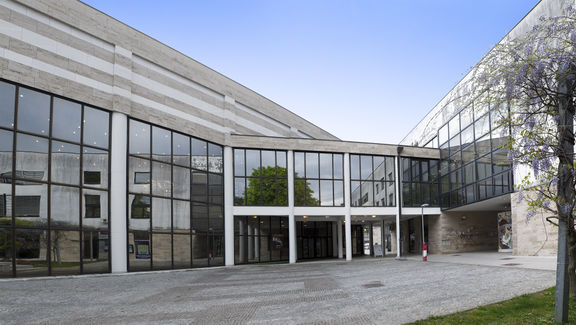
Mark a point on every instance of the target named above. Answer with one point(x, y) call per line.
point(398, 204)
point(118, 223)
point(228, 206)
point(347, 217)
point(340, 239)
point(291, 220)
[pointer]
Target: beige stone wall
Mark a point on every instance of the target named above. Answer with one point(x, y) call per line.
point(534, 236)
point(457, 232)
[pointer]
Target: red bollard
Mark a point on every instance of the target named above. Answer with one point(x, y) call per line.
point(424, 252)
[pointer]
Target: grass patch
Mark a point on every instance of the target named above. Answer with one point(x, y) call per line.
point(535, 308)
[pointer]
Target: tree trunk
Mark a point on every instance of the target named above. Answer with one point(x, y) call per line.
point(565, 200)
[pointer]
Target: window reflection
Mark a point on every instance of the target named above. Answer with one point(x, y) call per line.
point(67, 116)
point(65, 163)
point(96, 127)
point(33, 111)
point(372, 180)
point(161, 144)
point(139, 138)
point(32, 157)
point(266, 182)
point(7, 99)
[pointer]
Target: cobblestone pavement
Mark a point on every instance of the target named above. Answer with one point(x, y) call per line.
point(332, 292)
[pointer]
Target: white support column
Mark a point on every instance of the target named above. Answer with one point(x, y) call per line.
point(291, 220)
point(228, 206)
point(340, 241)
point(398, 202)
point(118, 223)
point(348, 219)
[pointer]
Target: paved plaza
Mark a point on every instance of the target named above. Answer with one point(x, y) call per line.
point(364, 291)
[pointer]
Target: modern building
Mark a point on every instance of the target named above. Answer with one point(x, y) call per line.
point(120, 154)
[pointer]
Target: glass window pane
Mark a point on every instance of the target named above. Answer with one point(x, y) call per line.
point(95, 167)
point(299, 165)
point(96, 127)
point(338, 166)
point(481, 127)
point(314, 189)
point(443, 134)
point(367, 194)
point(139, 138)
point(182, 253)
point(139, 175)
point(253, 191)
point(379, 168)
point(327, 193)
point(467, 136)
point(312, 165)
point(199, 154)
point(239, 163)
point(239, 189)
point(199, 187)
point(65, 163)
point(354, 167)
point(96, 247)
point(454, 125)
point(161, 144)
point(181, 216)
point(6, 251)
point(33, 111)
point(161, 215)
point(139, 209)
point(65, 207)
point(6, 144)
point(181, 149)
point(32, 253)
point(252, 162)
point(31, 205)
point(95, 210)
point(181, 183)
point(355, 195)
point(140, 251)
point(281, 159)
point(32, 157)
point(161, 179)
point(366, 167)
point(483, 145)
point(7, 99)
point(216, 162)
point(5, 206)
point(325, 165)
point(338, 193)
point(268, 158)
point(466, 117)
point(390, 169)
point(199, 217)
point(66, 121)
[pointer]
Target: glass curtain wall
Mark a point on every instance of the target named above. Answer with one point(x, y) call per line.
point(175, 200)
point(473, 166)
point(420, 182)
point(318, 179)
point(260, 239)
point(54, 175)
point(260, 177)
point(372, 180)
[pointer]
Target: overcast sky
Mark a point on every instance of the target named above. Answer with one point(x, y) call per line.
point(364, 70)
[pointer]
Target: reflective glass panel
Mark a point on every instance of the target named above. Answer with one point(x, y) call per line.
point(161, 179)
point(338, 193)
point(161, 215)
point(181, 149)
point(338, 166)
point(139, 175)
point(326, 165)
point(326, 193)
point(65, 163)
point(96, 127)
point(299, 165)
point(181, 216)
point(139, 138)
point(199, 154)
point(312, 165)
point(268, 160)
point(181, 182)
point(65, 207)
point(454, 125)
point(355, 167)
point(31, 205)
point(466, 117)
point(32, 157)
point(66, 121)
point(281, 159)
point(239, 163)
point(161, 144)
point(33, 112)
point(366, 167)
point(95, 210)
point(215, 159)
point(6, 144)
point(96, 167)
point(252, 162)
point(32, 252)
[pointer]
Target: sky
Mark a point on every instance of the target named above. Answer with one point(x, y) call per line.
point(364, 70)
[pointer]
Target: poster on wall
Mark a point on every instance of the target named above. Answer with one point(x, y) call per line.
point(505, 231)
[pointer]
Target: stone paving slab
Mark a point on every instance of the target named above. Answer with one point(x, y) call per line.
point(381, 291)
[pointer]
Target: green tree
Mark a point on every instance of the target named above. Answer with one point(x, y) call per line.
point(269, 186)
